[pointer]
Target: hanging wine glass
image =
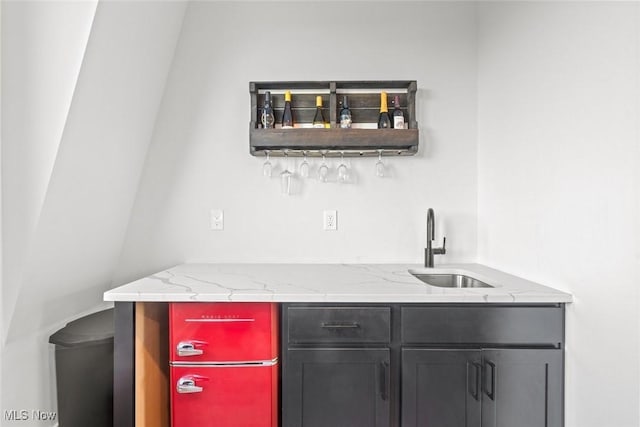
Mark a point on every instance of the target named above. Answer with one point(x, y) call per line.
point(286, 176)
point(343, 170)
point(267, 168)
point(323, 170)
point(380, 169)
point(304, 166)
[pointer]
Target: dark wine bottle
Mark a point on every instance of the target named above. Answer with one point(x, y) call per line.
point(318, 119)
point(287, 116)
point(384, 121)
point(345, 114)
point(398, 115)
point(267, 118)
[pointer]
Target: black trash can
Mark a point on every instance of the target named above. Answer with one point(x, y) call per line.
point(84, 371)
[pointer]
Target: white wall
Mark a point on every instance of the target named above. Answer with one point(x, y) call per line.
point(1, 199)
point(41, 61)
point(558, 162)
point(74, 146)
point(199, 158)
point(43, 46)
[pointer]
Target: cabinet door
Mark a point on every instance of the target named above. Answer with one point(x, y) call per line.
point(522, 388)
point(441, 388)
point(336, 387)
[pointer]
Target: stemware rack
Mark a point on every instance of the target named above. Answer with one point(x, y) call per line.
point(362, 139)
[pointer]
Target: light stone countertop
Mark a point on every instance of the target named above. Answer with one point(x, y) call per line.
point(351, 283)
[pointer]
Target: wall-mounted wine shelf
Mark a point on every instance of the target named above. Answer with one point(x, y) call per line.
point(362, 139)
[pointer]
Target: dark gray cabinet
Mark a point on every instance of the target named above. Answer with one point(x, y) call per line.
point(522, 387)
point(441, 388)
point(482, 326)
point(423, 365)
point(488, 387)
point(482, 366)
point(336, 387)
point(336, 366)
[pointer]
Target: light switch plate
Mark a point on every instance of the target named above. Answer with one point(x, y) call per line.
point(216, 219)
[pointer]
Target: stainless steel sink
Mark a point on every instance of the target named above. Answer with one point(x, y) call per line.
point(451, 281)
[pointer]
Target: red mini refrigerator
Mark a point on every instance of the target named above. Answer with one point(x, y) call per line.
point(224, 364)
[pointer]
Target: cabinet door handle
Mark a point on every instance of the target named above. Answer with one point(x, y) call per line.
point(384, 380)
point(474, 389)
point(491, 394)
point(337, 325)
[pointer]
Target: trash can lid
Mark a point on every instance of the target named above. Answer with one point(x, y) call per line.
point(96, 328)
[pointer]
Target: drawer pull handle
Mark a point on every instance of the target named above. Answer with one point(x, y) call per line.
point(351, 325)
point(188, 385)
point(188, 348)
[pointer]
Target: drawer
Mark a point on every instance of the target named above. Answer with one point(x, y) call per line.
point(510, 325)
point(220, 331)
point(339, 324)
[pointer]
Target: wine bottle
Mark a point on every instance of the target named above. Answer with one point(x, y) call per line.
point(345, 114)
point(318, 119)
point(398, 115)
point(384, 122)
point(267, 118)
point(287, 116)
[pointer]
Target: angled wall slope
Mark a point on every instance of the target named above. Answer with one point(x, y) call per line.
point(71, 163)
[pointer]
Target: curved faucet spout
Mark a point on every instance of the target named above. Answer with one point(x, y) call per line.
point(430, 226)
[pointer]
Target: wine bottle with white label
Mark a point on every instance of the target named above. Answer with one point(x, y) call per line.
point(287, 115)
point(398, 115)
point(318, 119)
point(267, 118)
point(345, 114)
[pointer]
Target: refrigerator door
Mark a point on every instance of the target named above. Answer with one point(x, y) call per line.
point(222, 332)
point(229, 396)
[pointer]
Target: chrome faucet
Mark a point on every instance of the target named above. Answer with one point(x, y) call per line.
point(430, 251)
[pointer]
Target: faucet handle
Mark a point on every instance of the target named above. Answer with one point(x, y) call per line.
point(443, 249)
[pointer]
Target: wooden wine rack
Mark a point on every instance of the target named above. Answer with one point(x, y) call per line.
point(360, 140)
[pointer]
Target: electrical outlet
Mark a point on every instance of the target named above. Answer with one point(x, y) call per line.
point(330, 220)
point(216, 219)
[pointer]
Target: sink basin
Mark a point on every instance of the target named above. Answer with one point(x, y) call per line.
point(451, 281)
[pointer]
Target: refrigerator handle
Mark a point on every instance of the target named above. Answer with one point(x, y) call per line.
point(188, 348)
point(188, 385)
